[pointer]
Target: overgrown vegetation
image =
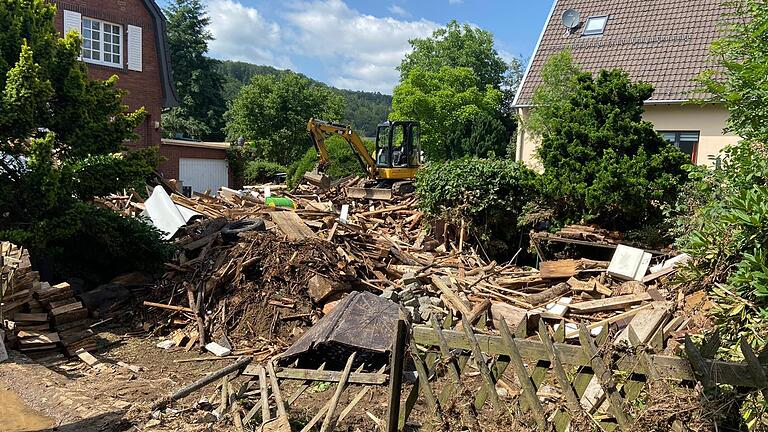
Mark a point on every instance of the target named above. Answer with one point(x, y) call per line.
point(199, 84)
point(271, 114)
point(726, 227)
point(602, 162)
point(344, 161)
point(488, 194)
point(362, 110)
point(61, 142)
point(451, 81)
point(260, 171)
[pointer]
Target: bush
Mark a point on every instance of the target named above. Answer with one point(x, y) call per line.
point(728, 238)
point(602, 162)
point(344, 161)
point(489, 194)
point(261, 171)
point(106, 244)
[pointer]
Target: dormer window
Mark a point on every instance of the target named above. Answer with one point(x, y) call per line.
point(595, 25)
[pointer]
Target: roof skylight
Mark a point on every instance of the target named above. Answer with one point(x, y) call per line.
point(595, 25)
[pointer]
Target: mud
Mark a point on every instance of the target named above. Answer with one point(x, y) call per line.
point(15, 416)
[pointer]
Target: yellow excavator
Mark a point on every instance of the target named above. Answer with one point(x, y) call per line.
point(391, 167)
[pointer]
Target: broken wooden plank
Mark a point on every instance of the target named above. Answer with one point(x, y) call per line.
point(644, 324)
point(291, 225)
point(477, 353)
point(331, 376)
point(612, 303)
point(329, 423)
point(452, 298)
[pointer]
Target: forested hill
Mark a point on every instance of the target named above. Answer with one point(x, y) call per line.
point(363, 110)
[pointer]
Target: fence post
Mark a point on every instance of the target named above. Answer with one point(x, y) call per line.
point(396, 374)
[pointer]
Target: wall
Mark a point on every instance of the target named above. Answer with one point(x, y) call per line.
point(172, 153)
point(709, 120)
point(144, 88)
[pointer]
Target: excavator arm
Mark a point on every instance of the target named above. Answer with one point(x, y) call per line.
point(319, 130)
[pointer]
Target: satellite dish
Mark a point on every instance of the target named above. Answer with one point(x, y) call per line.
point(571, 19)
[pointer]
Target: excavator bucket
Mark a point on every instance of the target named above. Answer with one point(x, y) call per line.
point(317, 178)
point(369, 193)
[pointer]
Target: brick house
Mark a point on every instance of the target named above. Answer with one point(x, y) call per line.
point(127, 38)
point(663, 42)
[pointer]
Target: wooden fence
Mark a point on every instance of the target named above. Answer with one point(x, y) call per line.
point(595, 384)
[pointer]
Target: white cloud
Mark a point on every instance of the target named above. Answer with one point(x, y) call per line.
point(242, 33)
point(398, 10)
point(455, 2)
point(360, 51)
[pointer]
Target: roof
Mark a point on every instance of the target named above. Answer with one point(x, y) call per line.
point(197, 144)
point(663, 42)
point(170, 99)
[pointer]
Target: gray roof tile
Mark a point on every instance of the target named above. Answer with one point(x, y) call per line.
point(663, 42)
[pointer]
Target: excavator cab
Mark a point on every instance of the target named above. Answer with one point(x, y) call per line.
point(398, 149)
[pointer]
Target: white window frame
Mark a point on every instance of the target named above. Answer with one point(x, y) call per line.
point(596, 32)
point(101, 61)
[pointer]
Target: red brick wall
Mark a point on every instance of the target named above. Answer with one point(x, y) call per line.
point(144, 88)
point(172, 153)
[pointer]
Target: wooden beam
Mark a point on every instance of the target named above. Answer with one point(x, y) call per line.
point(611, 303)
point(331, 376)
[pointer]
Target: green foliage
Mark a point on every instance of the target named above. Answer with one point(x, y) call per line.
point(489, 194)
point(603, 163)
point(457, 45)
point(743, 59)
point(558, 77)
point(238, 157)
point(728, 238)
point(442, 101)
point(61, 136)
point(272, 113)
point(259, 171)
point(199, 84)
point(94, 244)
point(483, 137)
point(344, 161)
point(362, 110)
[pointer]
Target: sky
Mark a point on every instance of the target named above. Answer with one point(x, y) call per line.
point(357, 44)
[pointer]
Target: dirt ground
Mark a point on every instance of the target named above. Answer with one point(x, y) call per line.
point(72, 396)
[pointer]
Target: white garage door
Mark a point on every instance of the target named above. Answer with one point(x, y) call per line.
point(204, 174)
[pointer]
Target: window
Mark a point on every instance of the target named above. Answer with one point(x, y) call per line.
point(687, 142)
point(595, 25)
point(102, 42)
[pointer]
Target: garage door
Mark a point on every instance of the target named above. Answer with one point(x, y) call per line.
point(204, 174)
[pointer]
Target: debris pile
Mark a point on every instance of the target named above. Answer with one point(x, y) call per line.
point(41, 319)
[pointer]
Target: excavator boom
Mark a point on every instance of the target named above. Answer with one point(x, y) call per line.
point(319, 130)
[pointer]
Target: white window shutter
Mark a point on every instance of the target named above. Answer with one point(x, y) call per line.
point(72, 21)
point(134, 48)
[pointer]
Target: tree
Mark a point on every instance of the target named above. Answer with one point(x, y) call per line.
point(602, 162)
point(442, 101)
point(740, 83)
point(483, 136)
point(272, 113)
point(457, 45)
point(197, 79)
point(61, 143)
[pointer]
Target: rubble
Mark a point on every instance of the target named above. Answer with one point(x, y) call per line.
point(284, 279)
point(41, 320)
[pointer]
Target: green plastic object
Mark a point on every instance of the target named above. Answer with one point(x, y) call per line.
point(280, 202)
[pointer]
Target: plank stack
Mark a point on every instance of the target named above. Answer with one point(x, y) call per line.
point(42, 319)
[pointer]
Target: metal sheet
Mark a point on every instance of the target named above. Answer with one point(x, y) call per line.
point(165, 214)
